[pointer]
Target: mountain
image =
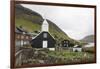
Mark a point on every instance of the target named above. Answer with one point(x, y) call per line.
point(27, 18)
point(32, 21)
point(88, 39)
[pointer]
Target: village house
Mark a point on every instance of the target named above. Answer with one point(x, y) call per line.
point(65, 43)
point(77, 48)
point(44, 39)
point(22, 37)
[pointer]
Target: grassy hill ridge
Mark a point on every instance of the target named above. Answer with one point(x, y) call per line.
point(88, 39)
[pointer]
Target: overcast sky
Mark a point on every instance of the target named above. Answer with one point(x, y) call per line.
point(75, 22)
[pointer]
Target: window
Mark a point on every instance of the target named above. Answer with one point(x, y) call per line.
point(27, 37)
point(22, 43)
point(22, 36)
point(45, 35)
point(18, 43)
point(64, 45)
point(66, 41)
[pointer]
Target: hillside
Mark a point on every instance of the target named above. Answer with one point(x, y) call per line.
point(32, 21)
point(88, 39)
point(27, 18)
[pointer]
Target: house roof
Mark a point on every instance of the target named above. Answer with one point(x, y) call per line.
point(77, 46)
point(42, 32)
point(17, 30)
point(21, 30)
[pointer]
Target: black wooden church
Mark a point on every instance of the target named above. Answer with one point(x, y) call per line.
point(44, 39)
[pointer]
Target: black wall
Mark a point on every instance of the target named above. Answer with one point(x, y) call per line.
point(37, 42)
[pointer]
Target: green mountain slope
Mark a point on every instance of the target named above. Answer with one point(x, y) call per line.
point(32, 21)
point(88, 39)
point(27, 18)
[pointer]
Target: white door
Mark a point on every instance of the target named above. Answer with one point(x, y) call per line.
point(45, 44)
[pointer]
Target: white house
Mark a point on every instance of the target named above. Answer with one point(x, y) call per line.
point(76, 48)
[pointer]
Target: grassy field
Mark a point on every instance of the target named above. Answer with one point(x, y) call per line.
point(28, 25)
point(71, 57)
point(45, 56)
point(89, 49)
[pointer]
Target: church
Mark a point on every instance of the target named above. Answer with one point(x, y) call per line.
point(44, 39)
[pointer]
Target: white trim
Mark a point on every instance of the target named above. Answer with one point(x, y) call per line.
point(51, 36)
point(36, 35)
point(52, 49)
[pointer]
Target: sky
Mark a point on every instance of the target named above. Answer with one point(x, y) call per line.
point(76, 22)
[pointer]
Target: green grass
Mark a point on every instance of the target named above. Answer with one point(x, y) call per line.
point(72, 55)
point(28, 25)
point(59, 34)
point(89, 49)
point(56, 57)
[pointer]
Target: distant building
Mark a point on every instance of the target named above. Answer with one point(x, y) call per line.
point(22, 37)
point(89, 45)
point(77, 48)
point(44, 39)
point(65, 43)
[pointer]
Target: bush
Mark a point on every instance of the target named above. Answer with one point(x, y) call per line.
point(89, 49)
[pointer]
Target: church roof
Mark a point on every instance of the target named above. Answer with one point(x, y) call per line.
point(42, 32)
point(21, 30)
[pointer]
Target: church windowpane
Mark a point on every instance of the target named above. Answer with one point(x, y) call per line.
point(64, 45)
point(45, 35)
